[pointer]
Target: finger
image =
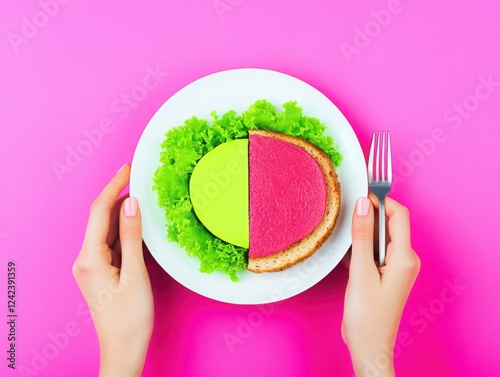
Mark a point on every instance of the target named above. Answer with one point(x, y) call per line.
point(374, 200)
point(398, 223)
point(100, 212)
point(400, 272)
point(117, 253)
point(131, 239)
point(362, 264)
point(402, 264)
point(113, 233)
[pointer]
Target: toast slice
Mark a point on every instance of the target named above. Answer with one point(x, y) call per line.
point(307, 245)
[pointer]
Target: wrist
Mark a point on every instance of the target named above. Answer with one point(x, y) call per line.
point(122, 361)
point(119, 371)
point(376, 362)
point(120, 367)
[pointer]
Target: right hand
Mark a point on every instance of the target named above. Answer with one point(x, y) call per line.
point(375, 297)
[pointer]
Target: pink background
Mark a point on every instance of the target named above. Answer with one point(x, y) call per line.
point(408, 76)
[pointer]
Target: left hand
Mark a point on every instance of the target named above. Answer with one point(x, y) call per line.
point(112, 275)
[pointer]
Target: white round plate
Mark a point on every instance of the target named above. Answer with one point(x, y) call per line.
point(236, 90)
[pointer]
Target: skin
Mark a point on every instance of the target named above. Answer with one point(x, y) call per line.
point(111, 273)
point(375, 297)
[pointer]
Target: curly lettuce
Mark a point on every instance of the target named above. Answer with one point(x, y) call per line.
point(182, 148)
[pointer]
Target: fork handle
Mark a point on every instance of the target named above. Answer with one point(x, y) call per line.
point(381, 235)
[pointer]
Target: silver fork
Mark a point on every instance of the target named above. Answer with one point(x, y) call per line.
point(380, 180)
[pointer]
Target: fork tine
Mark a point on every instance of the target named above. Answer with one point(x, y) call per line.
point(370, 159)
point(377, 159)
point(389, 159)
point(382, 170)
point(380, 181)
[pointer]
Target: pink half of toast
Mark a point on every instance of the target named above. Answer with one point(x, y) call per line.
point(294, 200)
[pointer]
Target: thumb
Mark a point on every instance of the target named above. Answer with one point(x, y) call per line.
point(131, 239)
point(362, 263)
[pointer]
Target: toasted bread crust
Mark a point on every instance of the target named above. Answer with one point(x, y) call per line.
point(305, 247)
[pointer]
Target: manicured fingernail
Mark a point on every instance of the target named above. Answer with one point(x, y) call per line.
point(123, 167)
point(130, 207)
point(362, 206)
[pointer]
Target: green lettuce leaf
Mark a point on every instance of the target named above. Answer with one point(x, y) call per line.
point(182, 148)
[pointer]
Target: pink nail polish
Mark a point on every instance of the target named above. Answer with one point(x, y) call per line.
point(130, 207)
point(123, 167)
point(362, 206)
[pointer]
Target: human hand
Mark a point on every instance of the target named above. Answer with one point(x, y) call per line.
point(112, 275)
point(375, 297)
